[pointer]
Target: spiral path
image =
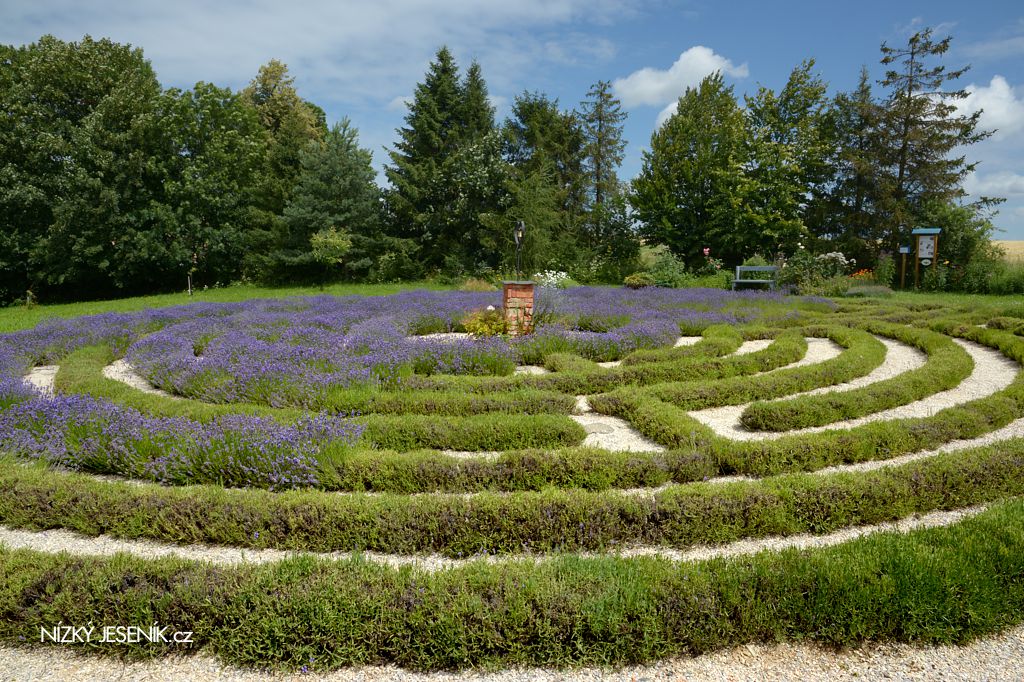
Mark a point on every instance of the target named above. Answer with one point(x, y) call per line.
point(937, 469)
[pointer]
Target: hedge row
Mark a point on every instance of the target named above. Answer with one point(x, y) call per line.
point(587, 379)
point(947, 365)
point(546, 521)
point(938, 585)
point(718, 340)
point(862, 353)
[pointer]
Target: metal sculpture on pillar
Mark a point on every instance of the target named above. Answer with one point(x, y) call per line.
point(519, 233)
point(517, 295)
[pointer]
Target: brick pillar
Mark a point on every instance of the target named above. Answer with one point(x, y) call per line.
point(517, 302)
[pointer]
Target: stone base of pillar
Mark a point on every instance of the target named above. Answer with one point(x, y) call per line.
point(517, 302)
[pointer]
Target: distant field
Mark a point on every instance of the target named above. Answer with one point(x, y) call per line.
point(1014, 249)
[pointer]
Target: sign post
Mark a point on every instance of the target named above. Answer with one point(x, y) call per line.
point(904, 250)
point(927, 250)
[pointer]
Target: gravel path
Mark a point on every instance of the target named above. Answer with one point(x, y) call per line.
point(614, 434)
point(993, 372)
point(58, 540)
point(618, 435)
point(997, 658)
point(42, 378)
point(120, 370)
point(994, 658)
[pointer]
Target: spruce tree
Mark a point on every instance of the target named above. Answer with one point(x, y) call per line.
point(602, 120)
point(438, 164)
point(920, 158)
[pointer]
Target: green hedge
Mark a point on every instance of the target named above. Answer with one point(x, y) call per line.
point(947, 365)
point(930, 586)
point(718, 340)
point(862, 353)
point(546, 521)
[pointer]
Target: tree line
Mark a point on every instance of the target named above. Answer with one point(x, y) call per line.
point(854, 172)
point(111, 184)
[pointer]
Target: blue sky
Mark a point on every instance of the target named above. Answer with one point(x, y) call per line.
point(362, 60)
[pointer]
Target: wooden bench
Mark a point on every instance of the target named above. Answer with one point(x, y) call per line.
point(742, 276)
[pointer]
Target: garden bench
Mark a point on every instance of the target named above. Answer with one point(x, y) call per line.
point(746, 274)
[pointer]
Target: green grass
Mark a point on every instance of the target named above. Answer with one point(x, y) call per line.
point(19, 317)
point(930, 586)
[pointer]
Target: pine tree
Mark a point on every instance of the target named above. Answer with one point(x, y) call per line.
point(335, 190)
point(477, 112)
point(846, 211)
point(541, 138)
point(602, 120)
point(920, 159)
point(441, 156)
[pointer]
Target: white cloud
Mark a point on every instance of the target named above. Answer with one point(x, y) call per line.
point(666, 113)
point(999, 184)
point(1001, 108)
point(1010, 43)
point(340, 50)
point(399, 103)
point(658, 87)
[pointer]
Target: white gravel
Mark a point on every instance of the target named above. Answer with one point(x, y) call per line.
point(120, 370)
point(441, 336)
point(58, 540)
point(688, 341)
point(614, 434)
point(997, 658)
point(531, 369)
point(42, 378)
point(992, 372)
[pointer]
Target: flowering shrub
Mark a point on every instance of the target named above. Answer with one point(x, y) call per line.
point(298, 352)
point(553, 278)
point(81, 432)
point(821, 275)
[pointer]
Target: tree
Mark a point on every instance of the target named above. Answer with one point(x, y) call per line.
point(329, 247)
point(215, 164)
point(689, 193)
point(477, 112)
point(444, 153)
point(290, 124)
point(789, 152)
point(920, 158)
point(77, 142)
point(335, 190)
point(602, 123)
point(844, 214)
point(539, 136)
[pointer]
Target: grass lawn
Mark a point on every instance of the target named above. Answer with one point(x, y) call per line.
point(19, 317)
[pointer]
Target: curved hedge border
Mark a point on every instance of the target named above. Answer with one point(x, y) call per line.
point(547, 521)
point(718, 340)
point(696, 452)
point(862, 353)
point(947, 365)
point(937, 585)
point(81, 372)
point(674, 428)
point(788, 347)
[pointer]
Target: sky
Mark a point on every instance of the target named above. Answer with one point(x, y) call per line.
point(362, 60)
